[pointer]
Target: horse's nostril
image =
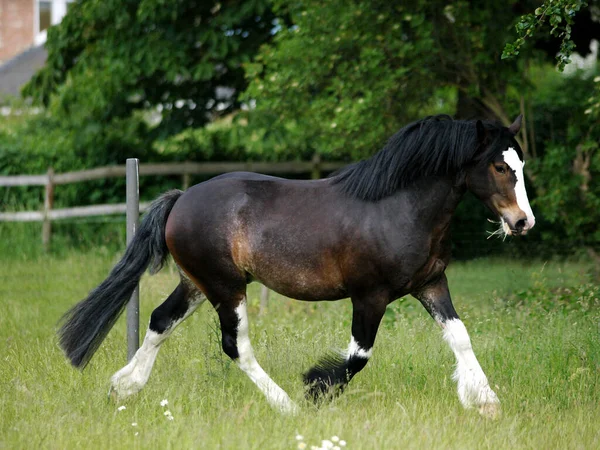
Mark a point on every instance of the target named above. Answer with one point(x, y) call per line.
point(520, 224)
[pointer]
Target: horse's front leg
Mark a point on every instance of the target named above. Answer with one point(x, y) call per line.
point(334, 372)
point(473, 387)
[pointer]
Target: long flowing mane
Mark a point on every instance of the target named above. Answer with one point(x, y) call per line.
point(434, 146)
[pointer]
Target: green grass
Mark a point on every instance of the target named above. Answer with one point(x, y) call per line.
point(543, 361)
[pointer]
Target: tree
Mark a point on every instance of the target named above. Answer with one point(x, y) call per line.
point(111, 59)
point(122, 75)
point(349, 74)
point(569, 171)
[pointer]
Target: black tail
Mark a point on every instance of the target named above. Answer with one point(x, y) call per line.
point(85, 326)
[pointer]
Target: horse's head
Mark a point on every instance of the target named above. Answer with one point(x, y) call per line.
point(497, 177)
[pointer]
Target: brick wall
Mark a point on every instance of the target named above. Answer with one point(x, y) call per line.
point(16, 27)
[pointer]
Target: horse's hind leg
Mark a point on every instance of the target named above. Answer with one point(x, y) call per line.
point(182, 302)
point(236, 344)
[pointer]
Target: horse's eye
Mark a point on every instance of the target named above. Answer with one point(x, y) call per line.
point(500, 169)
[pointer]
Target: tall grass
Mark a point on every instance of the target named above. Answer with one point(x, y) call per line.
point(541, 357)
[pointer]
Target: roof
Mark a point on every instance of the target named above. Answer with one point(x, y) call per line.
point(17, 71)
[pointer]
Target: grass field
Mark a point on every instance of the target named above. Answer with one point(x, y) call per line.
point(534, 327)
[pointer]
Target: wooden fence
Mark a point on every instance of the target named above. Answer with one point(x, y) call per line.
point(186, 169)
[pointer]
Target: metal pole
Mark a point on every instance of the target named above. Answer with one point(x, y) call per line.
point(133, 214)
point(48, 204)
point(264, 299)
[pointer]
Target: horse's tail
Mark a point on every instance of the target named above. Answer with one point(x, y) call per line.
point(85, 326)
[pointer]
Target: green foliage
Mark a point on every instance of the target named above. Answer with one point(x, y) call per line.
point(235, 140)
point(583, 297)
point(143, 78)
point(120, 77)
point(567, 111)
point(108, 59)
point(567, 169)
point(559, 15)
point(349, 75)
point(35, 142)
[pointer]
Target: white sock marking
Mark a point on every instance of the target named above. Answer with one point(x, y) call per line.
point(473, 386)
point(511, 158)
point(276, 396)
point(356, 350)
point(134, 376)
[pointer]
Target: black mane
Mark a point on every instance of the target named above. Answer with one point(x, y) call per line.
point(434, 146)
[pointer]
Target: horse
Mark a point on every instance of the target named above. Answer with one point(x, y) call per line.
point(374, 231)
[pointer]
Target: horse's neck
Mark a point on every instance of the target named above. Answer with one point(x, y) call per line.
point(434, 200)
point(434, 203)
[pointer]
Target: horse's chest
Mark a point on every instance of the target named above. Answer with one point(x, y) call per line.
point(416, 264)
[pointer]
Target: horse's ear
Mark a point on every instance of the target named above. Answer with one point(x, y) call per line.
point(516, 125)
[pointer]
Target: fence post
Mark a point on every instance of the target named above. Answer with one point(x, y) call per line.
point(264, 299)
point(185, 181)
point(48, 203)
point(133, 213)
point(316, 169)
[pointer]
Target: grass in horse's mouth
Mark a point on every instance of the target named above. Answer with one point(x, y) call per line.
point(500, 231)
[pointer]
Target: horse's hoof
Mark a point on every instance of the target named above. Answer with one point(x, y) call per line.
point(490, 410)
point(317, 391)
point(320, 391)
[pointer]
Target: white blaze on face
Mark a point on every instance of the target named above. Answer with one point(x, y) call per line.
point(511, 158)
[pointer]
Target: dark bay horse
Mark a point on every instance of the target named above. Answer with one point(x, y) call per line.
point(375, 231)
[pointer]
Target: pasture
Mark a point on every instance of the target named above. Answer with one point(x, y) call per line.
point(534, 327)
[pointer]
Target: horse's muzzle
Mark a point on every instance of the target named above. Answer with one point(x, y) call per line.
point(518, 227)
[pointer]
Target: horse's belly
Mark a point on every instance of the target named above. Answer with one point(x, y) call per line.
point(309, 291)
point(300, 279)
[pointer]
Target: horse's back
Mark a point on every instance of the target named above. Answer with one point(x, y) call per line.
point(260, 227)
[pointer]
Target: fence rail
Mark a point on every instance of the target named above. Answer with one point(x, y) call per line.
point(315, 167)
point(185, 168)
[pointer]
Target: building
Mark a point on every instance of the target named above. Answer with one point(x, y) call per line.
point(23, 28)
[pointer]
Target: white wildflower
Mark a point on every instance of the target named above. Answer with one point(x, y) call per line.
point(333, 125)
point(299, 437)
point(170, 418)
point(336, 447)
point(588, 111)
point(334, 439)
point(136, 433)
point(342, 443)
point(164, 402)
point(597, 79)
point(122, 408)
point(134, 424)
point(167, 413)
point(326, 443)
point(301, 445)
